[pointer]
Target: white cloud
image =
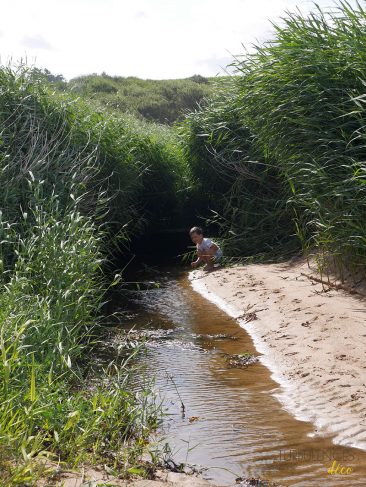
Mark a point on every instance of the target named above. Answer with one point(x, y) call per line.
point(146, 38)
point(36, 42)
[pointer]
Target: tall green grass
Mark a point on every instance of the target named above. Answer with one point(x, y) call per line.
point(239, 190)
point(302, 94)
point(76, 185)
point(297, 104)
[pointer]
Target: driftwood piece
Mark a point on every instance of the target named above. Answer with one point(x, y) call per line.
point(332, 285)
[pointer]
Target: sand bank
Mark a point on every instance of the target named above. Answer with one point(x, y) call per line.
point(312, 338)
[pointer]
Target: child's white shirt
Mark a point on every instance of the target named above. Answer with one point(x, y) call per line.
point(206, 244)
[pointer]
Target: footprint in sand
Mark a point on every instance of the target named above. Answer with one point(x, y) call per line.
point(355, 396)
point(341, 356)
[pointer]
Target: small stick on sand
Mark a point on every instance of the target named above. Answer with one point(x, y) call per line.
point(333, 285)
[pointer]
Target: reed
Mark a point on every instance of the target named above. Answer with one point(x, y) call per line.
point(73, 190)
point(238, 189)
point(302, 94)
point(284, 146)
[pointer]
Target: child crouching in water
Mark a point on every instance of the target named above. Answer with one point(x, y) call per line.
point(208, 252)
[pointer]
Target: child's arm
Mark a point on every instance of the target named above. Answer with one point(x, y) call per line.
point(199, 258)
point(198, 261)
point(202, 256)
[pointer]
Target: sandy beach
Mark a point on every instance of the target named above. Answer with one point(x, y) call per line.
point(311, 336)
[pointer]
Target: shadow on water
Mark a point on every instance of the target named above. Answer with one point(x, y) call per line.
point(232, 423)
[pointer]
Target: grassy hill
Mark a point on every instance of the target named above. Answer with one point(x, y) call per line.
point(163, 101)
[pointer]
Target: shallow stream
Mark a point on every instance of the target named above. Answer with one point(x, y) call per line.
point(232, 423)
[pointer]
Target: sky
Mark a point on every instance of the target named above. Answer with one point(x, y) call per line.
point(155, 39)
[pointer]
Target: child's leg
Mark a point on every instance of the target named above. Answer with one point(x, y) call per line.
point(218, 257)
point(207, 259)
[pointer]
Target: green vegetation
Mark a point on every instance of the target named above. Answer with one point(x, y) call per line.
point(244, 195)
point(290, 149)
point(303, 96)
point(76, 187)
point(163, 101)
point(274, 160)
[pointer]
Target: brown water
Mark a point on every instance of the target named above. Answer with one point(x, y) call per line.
point(241, 430)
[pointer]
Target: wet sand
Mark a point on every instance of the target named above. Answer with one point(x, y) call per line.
point(313, 340)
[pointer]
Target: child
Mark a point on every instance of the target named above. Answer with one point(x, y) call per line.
point(208, 252)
